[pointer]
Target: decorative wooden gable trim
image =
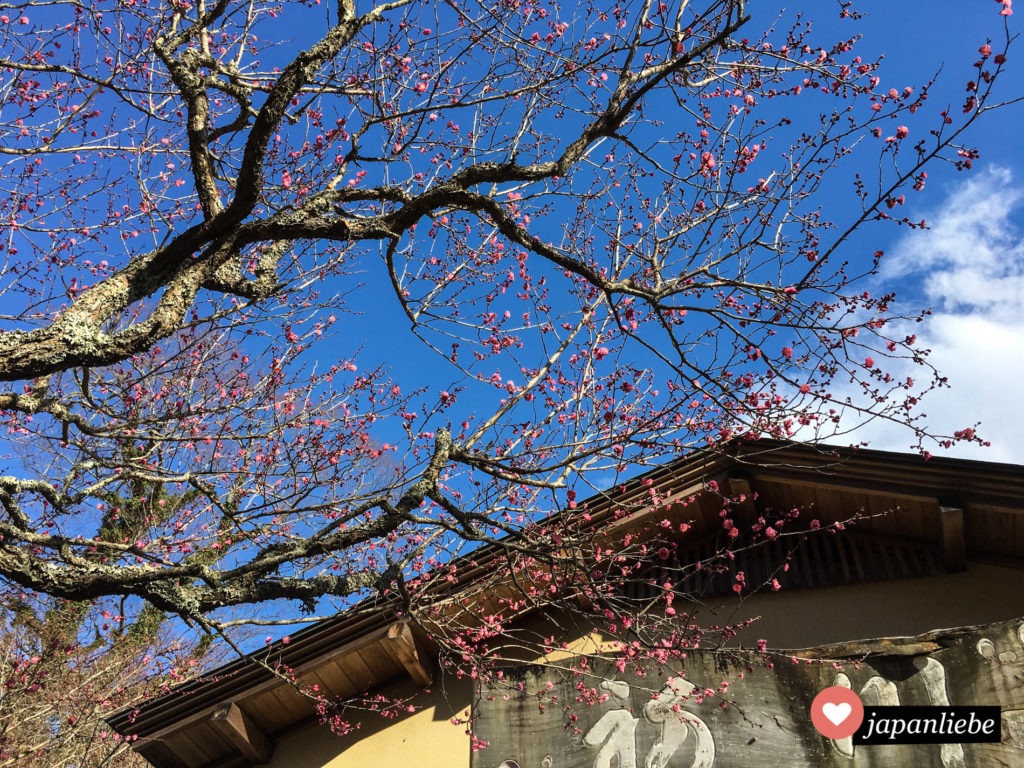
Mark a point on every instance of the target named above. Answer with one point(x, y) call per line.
point(821, 560)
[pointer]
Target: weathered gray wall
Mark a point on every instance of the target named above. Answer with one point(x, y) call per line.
point(763, 717)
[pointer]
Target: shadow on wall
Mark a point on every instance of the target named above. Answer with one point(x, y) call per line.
point(426, 737)
point(982, 594)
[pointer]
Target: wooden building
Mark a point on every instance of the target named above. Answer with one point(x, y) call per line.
point(940, 544)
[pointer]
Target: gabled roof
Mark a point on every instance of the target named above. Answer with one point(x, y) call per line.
point(944, 509)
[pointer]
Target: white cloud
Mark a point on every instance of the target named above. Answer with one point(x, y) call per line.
point(969, 267)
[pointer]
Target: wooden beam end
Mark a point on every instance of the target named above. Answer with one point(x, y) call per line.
point(954, 546)
point(235, 726)
point(401, 644)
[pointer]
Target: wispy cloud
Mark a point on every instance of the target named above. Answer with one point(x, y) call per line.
point(969, 267)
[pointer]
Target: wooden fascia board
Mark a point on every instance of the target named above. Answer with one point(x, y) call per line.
point(903, 474)
point(689, 473)
point(885, 484)
point(610, 533)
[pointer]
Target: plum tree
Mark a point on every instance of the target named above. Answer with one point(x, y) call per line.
point(301, 301)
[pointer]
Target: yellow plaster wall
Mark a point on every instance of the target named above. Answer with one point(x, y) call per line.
point(426, 738)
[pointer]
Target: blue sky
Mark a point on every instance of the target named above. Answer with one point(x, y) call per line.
point(972, 249)
point(969, 265)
